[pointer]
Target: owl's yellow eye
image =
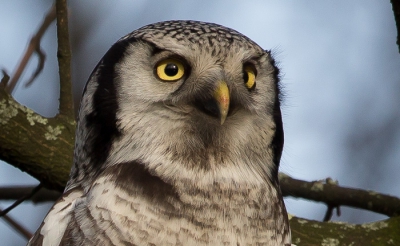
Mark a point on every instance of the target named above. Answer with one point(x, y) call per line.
point(170, 70)
point(249, 76)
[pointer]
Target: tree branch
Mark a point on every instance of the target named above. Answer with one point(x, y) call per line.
point(42, 146)
point(309, 232)
point(19, 228)
point(14, 193)
point(396, 12)
point(64, 61)
point(21, 199)
point(34, 45)
point(334, 195)
point(40, 66)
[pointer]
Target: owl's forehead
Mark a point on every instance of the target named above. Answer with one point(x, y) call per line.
point(196, 34)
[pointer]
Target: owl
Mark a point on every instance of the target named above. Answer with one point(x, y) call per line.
point(178, 142)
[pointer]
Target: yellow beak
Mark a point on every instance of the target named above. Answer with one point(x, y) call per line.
point(221, 96)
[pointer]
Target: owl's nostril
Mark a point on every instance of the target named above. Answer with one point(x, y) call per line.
point(208, 106)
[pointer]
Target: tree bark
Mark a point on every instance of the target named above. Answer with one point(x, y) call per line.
point(37, 145)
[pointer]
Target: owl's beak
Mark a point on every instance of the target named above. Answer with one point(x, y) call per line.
point(216, 104)
point(221, 96)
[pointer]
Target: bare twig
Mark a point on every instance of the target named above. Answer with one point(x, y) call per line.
point(64, 60)
point(4, 79)
point(20, 200)
point(334, 195)
point(34, 45)
point(329, 212)
point(14, 193)
point(39, 68)
point(396, 12)
point(22, 230)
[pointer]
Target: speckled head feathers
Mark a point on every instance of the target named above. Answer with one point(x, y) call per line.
point(193, 32)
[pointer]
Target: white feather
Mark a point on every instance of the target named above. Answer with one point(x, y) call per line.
point(58, 218)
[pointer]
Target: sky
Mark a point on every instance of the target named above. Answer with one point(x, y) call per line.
point(339, 69)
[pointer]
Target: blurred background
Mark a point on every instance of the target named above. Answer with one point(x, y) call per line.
point(340, 71)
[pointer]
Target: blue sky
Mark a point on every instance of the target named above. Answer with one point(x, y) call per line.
point(340, 72)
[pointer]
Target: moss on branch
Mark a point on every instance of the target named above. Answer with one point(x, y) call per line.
point(40, 146)
point(309, 232)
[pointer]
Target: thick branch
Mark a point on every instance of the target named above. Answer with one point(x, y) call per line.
point(309, 232)
point(40, 146)
point(335, 195)
point(64, 60)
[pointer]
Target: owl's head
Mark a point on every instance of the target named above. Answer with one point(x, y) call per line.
point(186, 91)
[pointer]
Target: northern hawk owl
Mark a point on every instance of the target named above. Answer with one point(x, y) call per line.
point(178, 142)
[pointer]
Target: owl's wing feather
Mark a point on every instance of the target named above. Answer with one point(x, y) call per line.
point(53, 227)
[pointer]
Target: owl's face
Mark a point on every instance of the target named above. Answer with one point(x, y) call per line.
point(182, 90)
point(202, 80)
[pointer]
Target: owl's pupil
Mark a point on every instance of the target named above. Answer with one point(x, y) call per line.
point(171, 69)
point(245, 77)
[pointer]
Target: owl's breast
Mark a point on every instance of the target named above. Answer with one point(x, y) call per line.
point(182, 213)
